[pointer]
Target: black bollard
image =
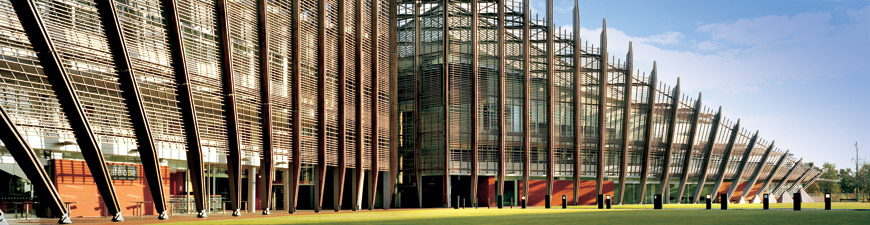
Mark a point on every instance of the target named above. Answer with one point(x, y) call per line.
point(657, 201)
point(709, 202)
point(499, 201)
point(547, 201)
point(827, 201)
point(456, 204)
point(607, 202)
point(797, 201)
point(524, 202)
point(723, 200)
point(600, 201)
point(564, 202)
point(766, 201)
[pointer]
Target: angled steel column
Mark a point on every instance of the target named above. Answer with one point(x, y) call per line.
point(374, 98)
point(445, 9)
point(743, 161)
point(708, 153)
point(27, 160)
point(757, 170)
point(578, 125)
point(475, 102)
point(342, 104)
point(726, 157)
point(64, 88)
point(787, 174)
point(813, 180)
point(267, 166)
point(665, 188)
point(651, 104)
point(359, 177)
point(689, 152)
point(799, 180)
point(418, 177)
point(602, 110)
point(135, 104)
point(394, 104)
point(320, 185)
point(626, 119)
point(551, 105)
point(295, 58)
point(186, 105)
point(776, 169)
point(502, 133)
point(234, 148)
point(527, 87)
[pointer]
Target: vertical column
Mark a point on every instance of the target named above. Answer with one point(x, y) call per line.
point(502, 132)
point(29, 163)
point(295, 58)
point(267, 165)
point(445, 9)
point(342, 110)
point(234, 148)
point(692, 140)
point(63, 87)
point(394, 105)
point(135, 104)
point(288, 177)
point(475, 102)
point(602, 110)
point(651, 103)
point(672, 127)
point(374, 98)
point(359, 177)
point(186, 104)
point(526, 98)
point(726, 157)
point(773, 172)
point(252, 190)
point(743, 161)
point(319, 186)
point(708, 154)
point(551, 98)
point(578, 125)
point(418, 177)
point(757, 170)
point(787, 174)
point(626, 120)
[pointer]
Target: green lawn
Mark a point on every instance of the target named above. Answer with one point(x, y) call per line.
point(812, 205)
point(540, 216)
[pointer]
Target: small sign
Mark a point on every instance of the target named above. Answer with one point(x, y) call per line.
point(122, 172)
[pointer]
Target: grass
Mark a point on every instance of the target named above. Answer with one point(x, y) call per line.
point(811, 205)
point(679, 214)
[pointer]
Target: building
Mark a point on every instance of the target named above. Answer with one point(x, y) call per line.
point(514, 108)
point(170, 105)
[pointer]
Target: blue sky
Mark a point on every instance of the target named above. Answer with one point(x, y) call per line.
point(798, 71)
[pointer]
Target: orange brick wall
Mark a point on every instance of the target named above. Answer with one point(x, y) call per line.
point(75, 184)
point(587, 196)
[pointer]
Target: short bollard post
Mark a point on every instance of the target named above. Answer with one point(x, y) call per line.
point(607, 202)
point(499, 201)
point(766, 201)
point(547, 201)
point(709, 201)
point(600, 201)
point(797, 201)
point(456, 205)
point(524, 202)
point(827, 201)
point(657, 201)
point(564, 202)
point(723, 200)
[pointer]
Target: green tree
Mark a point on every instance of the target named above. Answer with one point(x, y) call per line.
point(847, 180)
point(829, 181)
point(862, 181)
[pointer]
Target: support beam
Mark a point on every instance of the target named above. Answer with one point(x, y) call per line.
point(320, 185)
point(757, 170)
point(63, 86)
point(445, 198)
point(578, 128)
point(342, 107)
point(502, 128)
point(799, 180)
point(394, 106)
point(418, 176)
point(551, 105)
point(28, 161)
point(787, 174)
point(813, 180)
point(375, 73)
point(689, 152)
point(527, 135)
point(186, 105)
point(267, 164)
point(651, 104)
point(234, 147)
point(743, 161)
point(602, 110)
point(773, 172)
point(475, 102)
point(726, 157)
point(626, 119)
point(708, 153)
point(296, 75)
point(665, 187)
point(135, 104)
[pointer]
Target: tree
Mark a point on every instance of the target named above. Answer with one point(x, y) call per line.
point(862, 180)
point(829, 181)
point(847, 180)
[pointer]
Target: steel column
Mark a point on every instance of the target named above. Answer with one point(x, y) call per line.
point(394, 104)
point(665, 188)
point(267, 165)
point(773, 172)
point(526, 97)
point(501, 103)
point(755, 173)
point(234, 148)
point(374, 98)
point(578, 128)
point(360, 90)
point(135, 103)
point(418, 177)
point(626, 119)
point(64, 88)
point(602, 110)
point(787, 174)
point(708, 153)
point(295, 60)
point(186, 105)
point(475, 102)
point(743, 161)
point(813, 180)
point(445, 9)
point(799, 180)
point(726, 157)
point(321, 107)
point(651, 102)
point(692, 141)
point(551, 77)
point(28, 161)
point(341, 108)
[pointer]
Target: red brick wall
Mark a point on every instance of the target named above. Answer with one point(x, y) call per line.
point(75, 184)
point(587, 194)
